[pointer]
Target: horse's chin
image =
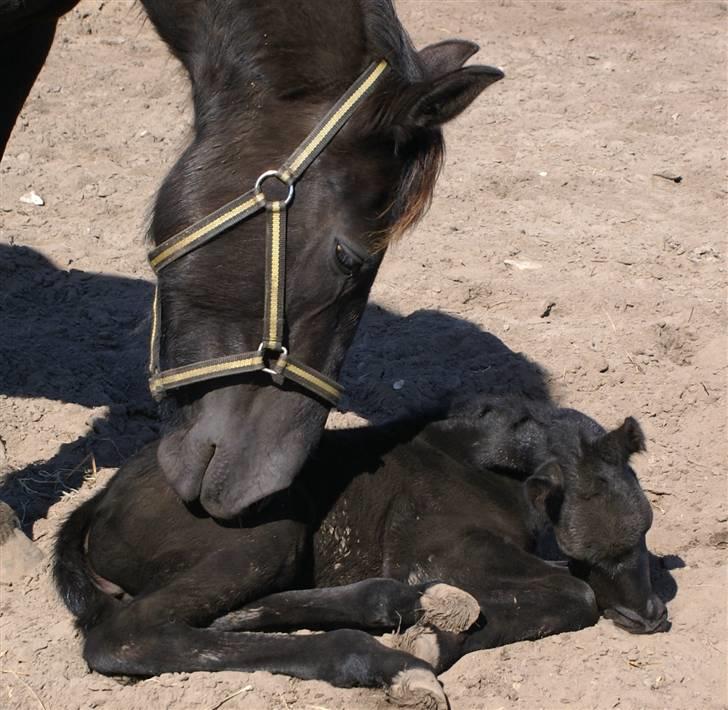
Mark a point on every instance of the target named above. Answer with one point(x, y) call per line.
point(253, 445)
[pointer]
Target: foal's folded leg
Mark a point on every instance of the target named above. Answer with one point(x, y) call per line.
point(531, 608)
point(539, 603)
point(159, 632)
point(376, 604)
point(124, 644)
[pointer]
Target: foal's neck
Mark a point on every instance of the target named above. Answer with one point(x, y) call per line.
point(492, 444)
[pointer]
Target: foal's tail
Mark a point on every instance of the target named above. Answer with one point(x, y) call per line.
point(71, 571)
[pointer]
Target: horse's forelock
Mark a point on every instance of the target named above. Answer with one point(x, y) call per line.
point(387, 38)
point(418, 184)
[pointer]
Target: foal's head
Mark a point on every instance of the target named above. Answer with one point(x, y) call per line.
point(261, 79)
point(600, 517)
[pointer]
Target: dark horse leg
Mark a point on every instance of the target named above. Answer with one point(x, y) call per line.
point(541, 603)
point(160, 630)
point(23, 50)
point(140, 639)
point(521, 597)
point(517, 609)
point(375, 604)
point(26, 36)
point(512, 609)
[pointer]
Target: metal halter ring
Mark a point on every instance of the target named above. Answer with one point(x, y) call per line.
point(283, 354)
point(279, 176)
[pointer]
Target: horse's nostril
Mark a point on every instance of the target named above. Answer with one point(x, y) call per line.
point(655, 608)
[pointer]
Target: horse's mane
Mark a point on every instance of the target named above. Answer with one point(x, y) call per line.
point(387, 38)
point(236, 62)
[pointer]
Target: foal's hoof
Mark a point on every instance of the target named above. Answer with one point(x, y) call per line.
point(417, 688)
point(449, 608)
point(419, 641)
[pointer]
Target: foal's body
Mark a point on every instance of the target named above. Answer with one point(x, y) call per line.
point(415, 502)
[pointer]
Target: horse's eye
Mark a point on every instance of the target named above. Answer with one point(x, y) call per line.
point(347, 260)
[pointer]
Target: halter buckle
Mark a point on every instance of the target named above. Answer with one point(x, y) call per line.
point(281, 177)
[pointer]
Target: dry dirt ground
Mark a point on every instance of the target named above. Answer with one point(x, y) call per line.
point(622, 304)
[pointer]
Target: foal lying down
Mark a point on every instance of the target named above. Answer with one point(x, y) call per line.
point(370, 538)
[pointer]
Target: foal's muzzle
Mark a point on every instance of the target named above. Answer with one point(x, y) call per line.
point(654, 621)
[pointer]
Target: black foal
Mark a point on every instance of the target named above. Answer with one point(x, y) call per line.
point(378, 526)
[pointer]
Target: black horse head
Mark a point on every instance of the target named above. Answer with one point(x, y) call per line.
point(263, 74)
point(600, 516)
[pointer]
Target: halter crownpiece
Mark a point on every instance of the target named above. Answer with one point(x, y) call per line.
point(271, 356)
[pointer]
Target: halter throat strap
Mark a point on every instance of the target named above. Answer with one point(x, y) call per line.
point(271, 357)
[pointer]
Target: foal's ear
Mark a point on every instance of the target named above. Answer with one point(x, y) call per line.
point(447, 56)
point(628, 439)
point(544, 489)
point(436, 101)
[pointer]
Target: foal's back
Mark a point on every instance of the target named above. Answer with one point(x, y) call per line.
point(395, 495)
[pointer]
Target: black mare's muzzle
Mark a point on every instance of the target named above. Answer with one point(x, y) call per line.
point(241, 443)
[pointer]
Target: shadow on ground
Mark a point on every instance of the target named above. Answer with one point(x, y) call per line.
point(403, 364)
point(663, 582)
point(81, 337)
point(76, 337)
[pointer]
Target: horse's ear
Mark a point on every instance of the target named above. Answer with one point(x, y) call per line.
point(544, 489)
point(447, 56)
point(436, 101)
point(621, 443)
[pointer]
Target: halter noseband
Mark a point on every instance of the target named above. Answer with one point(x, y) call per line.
point(271, 356)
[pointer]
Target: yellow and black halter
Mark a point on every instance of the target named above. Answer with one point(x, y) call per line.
point(271, 356)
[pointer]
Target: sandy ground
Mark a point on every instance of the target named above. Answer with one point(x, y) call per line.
point(623, 306)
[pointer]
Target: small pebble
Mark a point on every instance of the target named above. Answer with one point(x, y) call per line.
point(32, 198)
point(105, 189)
point(398, 385)
point(522, 265)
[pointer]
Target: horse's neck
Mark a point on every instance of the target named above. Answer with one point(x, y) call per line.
point(256, 49)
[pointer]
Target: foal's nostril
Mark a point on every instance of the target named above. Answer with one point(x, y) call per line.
point(655, 608)
point(656, 620)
